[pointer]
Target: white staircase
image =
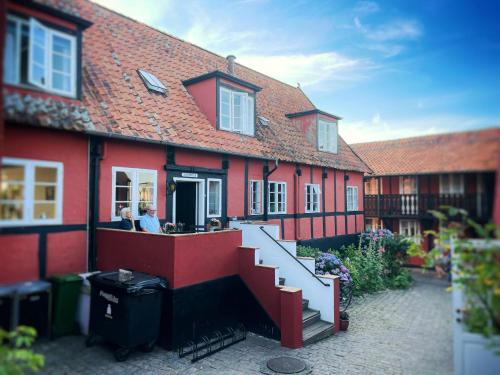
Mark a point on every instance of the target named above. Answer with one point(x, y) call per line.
point(317, 291)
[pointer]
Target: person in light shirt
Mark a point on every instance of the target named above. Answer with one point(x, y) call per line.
point(150, 222)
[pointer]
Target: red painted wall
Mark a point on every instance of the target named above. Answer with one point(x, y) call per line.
point(66, 252)
point(204, 95)
point(19, 255)
point(183, 259)
point(198, 159)
point(496, 206)
point(2, 37)
point(39, 15)
point(53, 145)
point(131, 155)
point(236, 187)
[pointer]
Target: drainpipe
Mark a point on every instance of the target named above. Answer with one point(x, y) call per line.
point(296, 201)
point(267, 173)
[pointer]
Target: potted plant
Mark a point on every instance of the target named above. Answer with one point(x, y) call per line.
point(214, 224)
point(344, 321)
point(169, 227)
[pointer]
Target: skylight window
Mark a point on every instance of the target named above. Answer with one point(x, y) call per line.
point(151, 82)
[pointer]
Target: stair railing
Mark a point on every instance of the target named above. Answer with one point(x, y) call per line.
point(294, 258)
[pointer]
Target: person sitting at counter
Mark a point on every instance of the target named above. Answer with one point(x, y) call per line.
point(127, 222)
point(149, 222)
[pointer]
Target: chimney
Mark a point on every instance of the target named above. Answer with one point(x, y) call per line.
point(230, 64)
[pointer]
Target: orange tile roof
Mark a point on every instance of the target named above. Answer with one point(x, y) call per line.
point(117, 101)
point(452, 152)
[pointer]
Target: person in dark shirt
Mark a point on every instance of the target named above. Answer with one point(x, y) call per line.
point(127, 222)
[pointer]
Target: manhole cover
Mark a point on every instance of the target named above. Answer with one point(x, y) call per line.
point(286, 365)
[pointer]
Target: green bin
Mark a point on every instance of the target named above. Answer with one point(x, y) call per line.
point(65, 294)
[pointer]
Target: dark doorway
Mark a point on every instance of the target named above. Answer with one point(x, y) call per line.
point(185, 205)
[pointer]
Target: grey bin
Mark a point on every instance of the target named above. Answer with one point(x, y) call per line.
point(83, 311)
point(7, 307)
point(34, 301)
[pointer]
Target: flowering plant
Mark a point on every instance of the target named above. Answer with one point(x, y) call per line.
point(329, 264)
point(169, 227)
point(376, 238)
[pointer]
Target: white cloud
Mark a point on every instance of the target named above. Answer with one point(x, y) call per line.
point(379, 129)
point(396, 30)
point(308, 69)
point(387, 50)
point(366, 7)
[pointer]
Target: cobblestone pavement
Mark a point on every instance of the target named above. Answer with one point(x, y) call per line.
point(392, 332)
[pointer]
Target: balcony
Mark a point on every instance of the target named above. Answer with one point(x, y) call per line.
point(417, 205)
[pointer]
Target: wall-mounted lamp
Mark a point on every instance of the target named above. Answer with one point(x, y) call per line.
point(346, 177)
point(172, 186)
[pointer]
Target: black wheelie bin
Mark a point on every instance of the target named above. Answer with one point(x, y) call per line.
point(125, 312)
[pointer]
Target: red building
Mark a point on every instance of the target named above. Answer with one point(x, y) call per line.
point(103, 112)
point(414, 175)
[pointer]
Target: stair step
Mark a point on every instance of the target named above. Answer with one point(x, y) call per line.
point(309, 317)
point(316, 331)
point(282, 281)
point(305, 304)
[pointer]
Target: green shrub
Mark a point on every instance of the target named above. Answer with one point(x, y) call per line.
point(15, 354)
point(402, 281)
point(307, 251)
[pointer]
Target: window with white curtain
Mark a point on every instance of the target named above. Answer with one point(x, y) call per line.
point(30, 192)
point(327, 136)
point(277, 197)
point(236, 111)
point(352, 198)
point(312, 194)
point(40, 56)
point(133, 188)
point(410, 229)
point(255, 197)
point(451, 184)
point(214, 201)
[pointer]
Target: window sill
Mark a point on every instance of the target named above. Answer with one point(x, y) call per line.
point(40, 90)
point(238, 133)
point(10, 224)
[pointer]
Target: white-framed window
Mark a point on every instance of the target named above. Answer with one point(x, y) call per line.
point(410, 229)
point(408, 185)
point(451, 184)
point(255, 197)
point(214, 197)
point(277, 198)
point(236, 111)
point(312, 194)
point(371, 186)
point(352, 198)
point(327, 136)
point(31, 192)
point(40, 56)
point(134, 188)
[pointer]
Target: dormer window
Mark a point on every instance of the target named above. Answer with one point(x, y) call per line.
point(40, 56)
point(236, 111)
point(327, 136)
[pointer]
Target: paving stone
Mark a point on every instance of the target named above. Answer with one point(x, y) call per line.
point(393, 332)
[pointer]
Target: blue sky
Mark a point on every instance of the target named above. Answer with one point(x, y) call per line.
point(391, 69)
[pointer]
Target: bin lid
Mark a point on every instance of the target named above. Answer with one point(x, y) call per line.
point(139, 281)
point(66, 278)
point(30, 287)
point(7, 290)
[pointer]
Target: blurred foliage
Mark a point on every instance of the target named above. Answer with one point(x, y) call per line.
point(16, 357)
